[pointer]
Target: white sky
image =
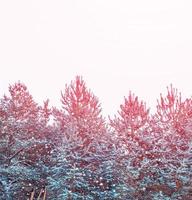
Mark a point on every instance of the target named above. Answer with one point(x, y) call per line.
point(117, 46)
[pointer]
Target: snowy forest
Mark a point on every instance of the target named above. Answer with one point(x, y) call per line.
point(74, 153)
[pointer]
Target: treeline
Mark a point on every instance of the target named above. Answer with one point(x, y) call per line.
point(74, 153)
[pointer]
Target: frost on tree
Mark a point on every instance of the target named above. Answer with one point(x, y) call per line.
point(83, 138)
point(22, 125)
point(155, 151)
point(79, 155)
point(130, 128)
point(172, 139)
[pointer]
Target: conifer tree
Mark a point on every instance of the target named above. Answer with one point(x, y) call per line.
point(23, 142)
point(172, 141)
point(82, 119)
point(83, 136)
point(131, 130)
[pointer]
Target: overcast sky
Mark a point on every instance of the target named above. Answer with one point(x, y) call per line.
point(116, 46)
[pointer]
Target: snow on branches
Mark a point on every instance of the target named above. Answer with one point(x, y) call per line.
point(78, 155)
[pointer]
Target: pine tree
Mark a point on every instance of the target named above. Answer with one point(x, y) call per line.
point(83, 135)
point(171, 127)
point(23, 142)
point(81, 116)
point(131, 132)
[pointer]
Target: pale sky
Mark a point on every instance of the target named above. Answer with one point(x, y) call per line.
point(117, 46)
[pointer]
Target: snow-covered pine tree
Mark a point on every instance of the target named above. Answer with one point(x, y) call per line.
point(84, 140)
point(172, 138)
point(23, 143)
point(130, 132)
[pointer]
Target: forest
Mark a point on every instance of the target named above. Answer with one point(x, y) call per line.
point(74, 153)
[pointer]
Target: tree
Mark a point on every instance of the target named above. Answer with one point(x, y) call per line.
point(171, 129)
point(131, 131)
point(81, 114)
point(82, 133)
point(23, 143)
